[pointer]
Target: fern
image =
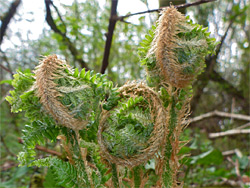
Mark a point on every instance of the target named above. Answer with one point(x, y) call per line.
point(109, 132)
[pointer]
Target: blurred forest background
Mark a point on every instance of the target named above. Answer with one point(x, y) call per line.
point(219, 130)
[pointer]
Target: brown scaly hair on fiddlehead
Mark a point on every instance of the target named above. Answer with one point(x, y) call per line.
point(165, 46)
point(49, 69)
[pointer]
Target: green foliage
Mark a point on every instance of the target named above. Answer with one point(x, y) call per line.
point(65, 173)
point(36, 133)
point(206, 164)
point(22, 82)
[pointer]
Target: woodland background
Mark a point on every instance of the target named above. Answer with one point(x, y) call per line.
point(93, 35)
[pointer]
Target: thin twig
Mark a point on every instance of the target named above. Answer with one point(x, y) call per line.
point(6, 147)
point(220, 114)
point(229, 133)
point(230, 152)
point(74, 52)
point(41, 148)
point(6, 19)
point(159, 9)
point(59, 15)
point(5, 68)
point(243, 126)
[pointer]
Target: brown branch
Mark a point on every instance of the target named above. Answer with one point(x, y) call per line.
point(220, 114)
point(228, 87)
point(4, 57)
point(74, 52)
point(111, 27)
point(44, 149)
point(6, 147)
point(59, 15)
point(229, 152)
point(243, 126)
point(159, 9)
point(225, 34)
point(6, 69)
point(229, 133)
point(6, 19)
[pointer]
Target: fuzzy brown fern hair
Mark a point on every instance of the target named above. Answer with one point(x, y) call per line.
point(49, 69)
point(164, 45)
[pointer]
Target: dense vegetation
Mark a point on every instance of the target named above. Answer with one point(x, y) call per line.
point(216, 159)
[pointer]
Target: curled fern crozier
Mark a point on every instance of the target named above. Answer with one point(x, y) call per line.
point(133, 131)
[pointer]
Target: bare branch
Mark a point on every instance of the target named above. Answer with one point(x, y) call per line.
point(220, 114)
point(66, 40)
point(111, 27)
point(229, 133)
point(59, 15)
point(231, 152)
point(243, 126)
point(6, 19)
point(6, 69)
point(226, 32)
point(159, 9)
point(6, 147)
point(230, 89)
point(5, 58)
point(44, 149)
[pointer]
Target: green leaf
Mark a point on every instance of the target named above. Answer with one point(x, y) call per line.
point(76, 73)
point(6, 82)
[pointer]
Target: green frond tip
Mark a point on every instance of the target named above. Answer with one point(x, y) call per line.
point(26, 157)
point(22, 83)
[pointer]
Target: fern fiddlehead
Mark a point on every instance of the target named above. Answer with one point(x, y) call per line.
point(133, 131)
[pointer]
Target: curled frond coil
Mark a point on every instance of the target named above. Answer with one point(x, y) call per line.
point(49, 69)
point(167, 45)
point(158, 116)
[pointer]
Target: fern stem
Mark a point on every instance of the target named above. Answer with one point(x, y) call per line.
point(137, 176)
point(80, 166)
point(114, 176)
point(167, 176)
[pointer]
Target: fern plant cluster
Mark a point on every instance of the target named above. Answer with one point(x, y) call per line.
point(115, 137)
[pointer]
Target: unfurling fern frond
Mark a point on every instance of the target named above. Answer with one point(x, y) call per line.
point(177, 50)
point(67, 95)
point(133, 131)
